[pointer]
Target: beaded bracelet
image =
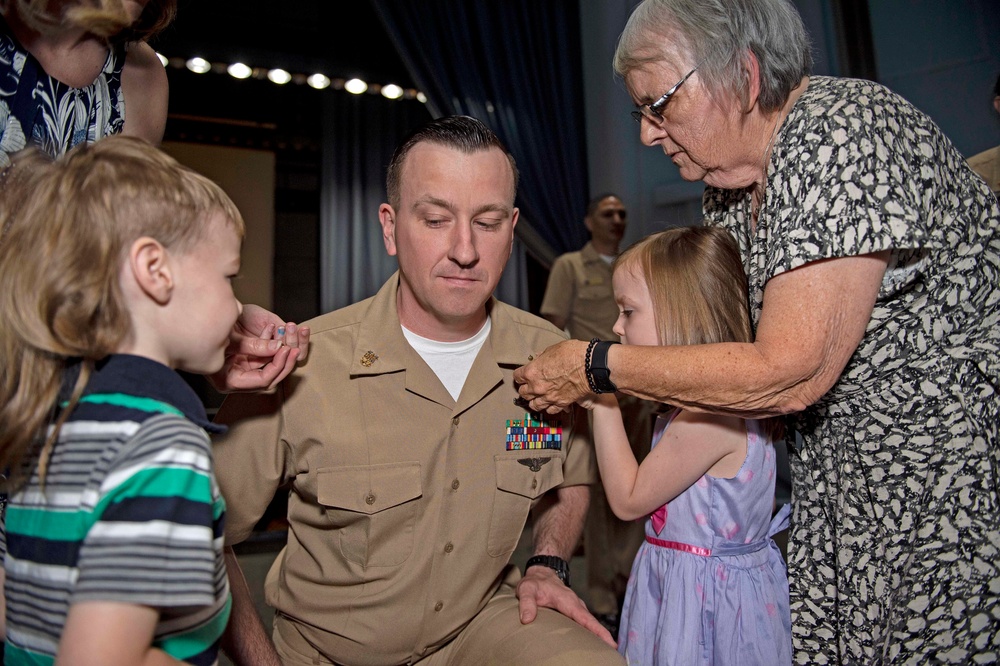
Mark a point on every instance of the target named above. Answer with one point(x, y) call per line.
point(587, 365)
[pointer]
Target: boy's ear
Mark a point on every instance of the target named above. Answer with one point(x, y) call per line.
point(151, 267)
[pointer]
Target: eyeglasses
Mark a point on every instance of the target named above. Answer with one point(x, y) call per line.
point(653, 112)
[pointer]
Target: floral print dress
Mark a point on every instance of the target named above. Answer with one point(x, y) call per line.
point(37, 109)
point(708, 585)
point(895, 541)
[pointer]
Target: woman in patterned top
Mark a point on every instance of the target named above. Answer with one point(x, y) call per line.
point(872, 255)
point(68, 68)
point(72, 72)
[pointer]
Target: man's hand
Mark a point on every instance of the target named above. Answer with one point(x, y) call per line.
point(556, 378)
point(542, 587)
point(262, 351)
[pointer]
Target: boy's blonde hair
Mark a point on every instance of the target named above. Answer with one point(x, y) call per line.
point(696, 283)
point(68, 226)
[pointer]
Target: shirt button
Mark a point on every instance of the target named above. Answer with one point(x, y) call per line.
point(454, 484)
point(448, 547)
point(438, 606)
point(534, 483)
point(454, 421)
point(370, 499)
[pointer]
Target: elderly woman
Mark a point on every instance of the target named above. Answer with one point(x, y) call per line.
point(873, 260)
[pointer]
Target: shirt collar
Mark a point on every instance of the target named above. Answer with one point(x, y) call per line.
point(144, 377)
point(381, 346)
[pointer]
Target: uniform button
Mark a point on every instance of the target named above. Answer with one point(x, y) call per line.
point(370, 499)
point(531, 357)
point(448, 547)
point(454, 484)
point(438, 606)
point(454, 421)
point(534, 483)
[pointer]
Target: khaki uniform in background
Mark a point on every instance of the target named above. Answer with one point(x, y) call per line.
point(404, 507)
point(987, 165)
point(580, 291)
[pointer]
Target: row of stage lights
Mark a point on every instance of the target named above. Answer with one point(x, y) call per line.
point(238, 70)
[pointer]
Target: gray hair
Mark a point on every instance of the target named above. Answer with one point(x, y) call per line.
point(717, 34)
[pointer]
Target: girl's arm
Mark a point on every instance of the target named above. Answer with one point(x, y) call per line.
point(109, 633)
point(693, 445)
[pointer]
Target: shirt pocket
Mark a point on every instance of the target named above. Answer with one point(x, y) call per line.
point(522, 476)
point(595, 292)
point(373, 509)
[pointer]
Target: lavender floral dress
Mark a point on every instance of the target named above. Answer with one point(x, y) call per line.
point(709, 586)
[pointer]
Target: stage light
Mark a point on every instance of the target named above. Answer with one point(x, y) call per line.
point(356, 86)
point(279, 76)
point(239, 71)
point(318, 81)
point(391, 91)
point(198, 65)
point(163, 59)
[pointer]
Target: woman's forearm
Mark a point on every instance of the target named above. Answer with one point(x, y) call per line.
point(812, 321)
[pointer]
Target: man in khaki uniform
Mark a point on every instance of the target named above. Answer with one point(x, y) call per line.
point(987, 163)
point(410, 463)
point(579, 298)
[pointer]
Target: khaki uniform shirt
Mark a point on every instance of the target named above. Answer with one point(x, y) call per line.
point(579, 290)
point(404, 506)
point(987, 165)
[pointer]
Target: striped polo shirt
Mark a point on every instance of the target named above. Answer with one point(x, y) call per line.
point(130, 512)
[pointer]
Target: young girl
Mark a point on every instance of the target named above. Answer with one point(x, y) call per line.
point(708, 586)
point(117, 265)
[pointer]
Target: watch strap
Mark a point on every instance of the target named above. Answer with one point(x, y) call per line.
point(558, 564)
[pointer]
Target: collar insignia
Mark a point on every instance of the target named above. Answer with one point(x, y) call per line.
point(369, 359)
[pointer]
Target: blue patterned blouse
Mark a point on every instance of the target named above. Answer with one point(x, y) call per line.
point(38, 109)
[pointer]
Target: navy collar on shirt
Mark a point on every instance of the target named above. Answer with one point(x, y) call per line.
point(142, 377)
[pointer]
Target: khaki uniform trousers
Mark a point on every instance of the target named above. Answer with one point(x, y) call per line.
point(495, 637)
point(610, 544)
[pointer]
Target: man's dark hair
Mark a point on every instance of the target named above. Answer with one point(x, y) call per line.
point(463, 133)
point(596, 201)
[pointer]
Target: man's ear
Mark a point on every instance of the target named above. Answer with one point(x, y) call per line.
point(387, 218)
point(150, 264)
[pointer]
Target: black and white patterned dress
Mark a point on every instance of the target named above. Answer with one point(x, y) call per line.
point(895, 545)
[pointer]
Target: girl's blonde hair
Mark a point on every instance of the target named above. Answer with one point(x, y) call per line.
point(107, 19)
point(696, 283)
point(68, 226)
point(698, 288)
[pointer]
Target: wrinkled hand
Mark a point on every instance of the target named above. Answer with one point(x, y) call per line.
point(540, 587)
point(262, 351)
point(556, 378)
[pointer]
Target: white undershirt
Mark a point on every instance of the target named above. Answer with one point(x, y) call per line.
point(450, 361)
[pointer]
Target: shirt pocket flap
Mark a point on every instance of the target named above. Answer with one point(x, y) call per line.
point(368, 488)
point(528, 473)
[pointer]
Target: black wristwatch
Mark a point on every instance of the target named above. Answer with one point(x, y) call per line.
point(558, 564)
point(598, 372)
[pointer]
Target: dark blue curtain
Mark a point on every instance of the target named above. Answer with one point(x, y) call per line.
point(515, 65)
point(359, 134)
